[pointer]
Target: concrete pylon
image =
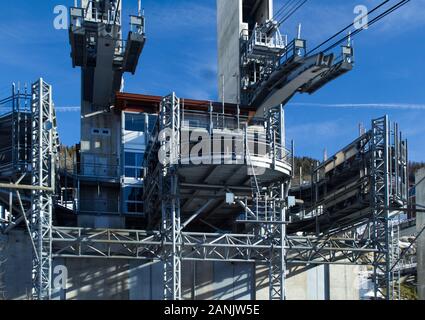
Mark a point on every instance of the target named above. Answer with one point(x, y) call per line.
point(233, 18)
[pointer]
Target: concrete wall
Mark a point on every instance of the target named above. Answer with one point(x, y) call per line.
point(130, 280)
point(345, 282)
point(17, 268)
point(100, 157)
point(105, 148)
point(420, 223)
point(342, 283)
point(96, 280)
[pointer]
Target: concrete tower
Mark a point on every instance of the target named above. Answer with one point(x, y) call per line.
point(98, 48)
point(234, 18)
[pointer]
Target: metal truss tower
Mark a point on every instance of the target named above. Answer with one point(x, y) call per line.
point(380, 206)
point(270, 206)
point(43, 181)
point(169, 193)
point(278, 253)
point(265, 239)
point(384, 232)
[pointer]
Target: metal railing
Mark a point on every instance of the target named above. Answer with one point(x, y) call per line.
point(96, 206)
point(93, 170)
point(235, 146)
point(110, 16)
point(296, 48)
point(260, 40)
point(236, 137)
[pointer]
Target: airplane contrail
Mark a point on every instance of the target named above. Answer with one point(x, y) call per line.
point(394, 106)
point(68, 109)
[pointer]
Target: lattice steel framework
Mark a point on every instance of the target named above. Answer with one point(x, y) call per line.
point(277, 271)
point(170, 201)
point(143, 245)
point(43, 176)
point(269, 206)
point(278, 253)
point(383, 277)
point(265, 241)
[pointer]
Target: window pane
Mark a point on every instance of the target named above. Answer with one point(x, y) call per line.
point(152, 121)
point(133, 194)
point(131, 207)
point(130, 159)
point(135, 122)
point(130, 173)
point(134, 207)
point(139, 159)
point(138, 174)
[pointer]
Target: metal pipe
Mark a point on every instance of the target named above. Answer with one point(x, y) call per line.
point(196, 214)
point(24, 187)
point(210, 186)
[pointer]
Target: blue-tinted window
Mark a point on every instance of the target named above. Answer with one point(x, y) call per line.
point(152, 119)
point(135, 122)
point(133, 164)
point(130, 159)
point(133, 199)
point(133, 194)
point(133, 159)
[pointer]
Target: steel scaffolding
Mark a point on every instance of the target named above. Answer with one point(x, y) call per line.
point(169, 193)
point(389, 176)
point(265, 237)
point(43, 176)
point(366, 202)
point(34, 187)
point(381, 202)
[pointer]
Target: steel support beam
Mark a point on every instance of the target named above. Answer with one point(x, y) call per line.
point(43, 182)
point(146, 245)
point(170, 199)
point(380, 193)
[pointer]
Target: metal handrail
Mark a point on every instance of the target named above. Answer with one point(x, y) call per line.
point(82, 168)
point(273, 151)
point(291, 51)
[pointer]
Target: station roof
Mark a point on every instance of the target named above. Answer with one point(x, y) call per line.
point(150, 104)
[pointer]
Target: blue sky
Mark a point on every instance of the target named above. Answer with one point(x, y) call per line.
point(180, 56)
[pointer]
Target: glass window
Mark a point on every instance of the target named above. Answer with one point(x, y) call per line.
point(130, 159)
point(133, 194)
point(139, 159)
point(133, 159)
point(133, 164)
point(135, 122)
point(133, 199)
point(130, 173)
point(152, 119)
point(133, 207)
